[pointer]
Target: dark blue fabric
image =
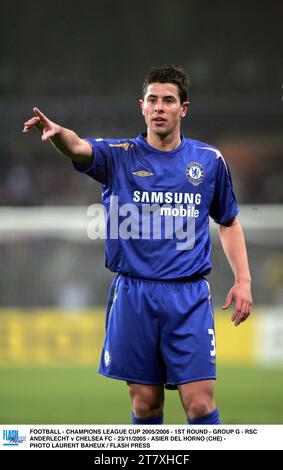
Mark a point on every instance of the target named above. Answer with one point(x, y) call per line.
point(153, 420)
point(159, 332)
point(211, 418)
point(180, 189)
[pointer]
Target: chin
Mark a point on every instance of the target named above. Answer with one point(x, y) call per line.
point(162, 132)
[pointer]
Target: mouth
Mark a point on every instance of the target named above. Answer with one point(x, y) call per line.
point(159, 120)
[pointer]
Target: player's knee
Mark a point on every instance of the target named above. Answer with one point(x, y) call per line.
point(145, 409)
point(200, 406)
point(146, 402)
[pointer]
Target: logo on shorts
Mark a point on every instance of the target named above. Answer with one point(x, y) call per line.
point(107, 358)
point(195, 173)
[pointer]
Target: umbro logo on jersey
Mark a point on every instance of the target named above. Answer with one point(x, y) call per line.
point(142, 173)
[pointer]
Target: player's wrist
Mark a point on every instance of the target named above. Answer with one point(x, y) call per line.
point(243, 280)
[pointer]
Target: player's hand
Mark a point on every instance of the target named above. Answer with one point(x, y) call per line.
point(241, 295)
point(41, 122)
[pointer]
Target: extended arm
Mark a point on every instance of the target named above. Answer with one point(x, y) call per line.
point(64, 140)
point(233, 242)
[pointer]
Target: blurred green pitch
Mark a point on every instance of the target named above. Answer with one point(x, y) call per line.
point(66, 395)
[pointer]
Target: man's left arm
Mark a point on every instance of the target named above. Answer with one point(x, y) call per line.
point(234, 246)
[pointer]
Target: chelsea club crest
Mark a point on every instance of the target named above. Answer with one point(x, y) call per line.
point(195, 173)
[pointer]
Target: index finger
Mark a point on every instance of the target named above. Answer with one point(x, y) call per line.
point(39, 113)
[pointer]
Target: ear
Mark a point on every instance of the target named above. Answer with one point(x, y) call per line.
point(184, 109)
point(142, 105)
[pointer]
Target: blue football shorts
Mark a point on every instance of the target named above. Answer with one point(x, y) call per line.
point(159, 332)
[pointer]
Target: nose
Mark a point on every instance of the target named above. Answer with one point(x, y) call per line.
point(158, 106)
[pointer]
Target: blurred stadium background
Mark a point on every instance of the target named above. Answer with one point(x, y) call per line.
point(83, 65)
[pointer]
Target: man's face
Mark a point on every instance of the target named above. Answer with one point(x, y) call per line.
point(162, 108)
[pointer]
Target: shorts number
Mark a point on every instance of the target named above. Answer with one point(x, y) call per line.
point(211, 332)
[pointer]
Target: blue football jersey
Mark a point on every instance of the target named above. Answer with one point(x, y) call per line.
point(158, 205)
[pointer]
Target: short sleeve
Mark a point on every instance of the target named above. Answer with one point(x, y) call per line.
point(100, 168)
point(224, 206)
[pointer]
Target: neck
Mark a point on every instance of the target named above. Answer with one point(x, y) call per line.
point(163, 142)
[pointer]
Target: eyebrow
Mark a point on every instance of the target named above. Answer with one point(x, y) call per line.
point(167, 96)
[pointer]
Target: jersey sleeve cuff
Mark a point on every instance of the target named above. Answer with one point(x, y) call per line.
point(225, 220)
point(84, 168)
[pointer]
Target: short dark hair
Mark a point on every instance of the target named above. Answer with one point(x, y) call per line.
point(168, 74)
